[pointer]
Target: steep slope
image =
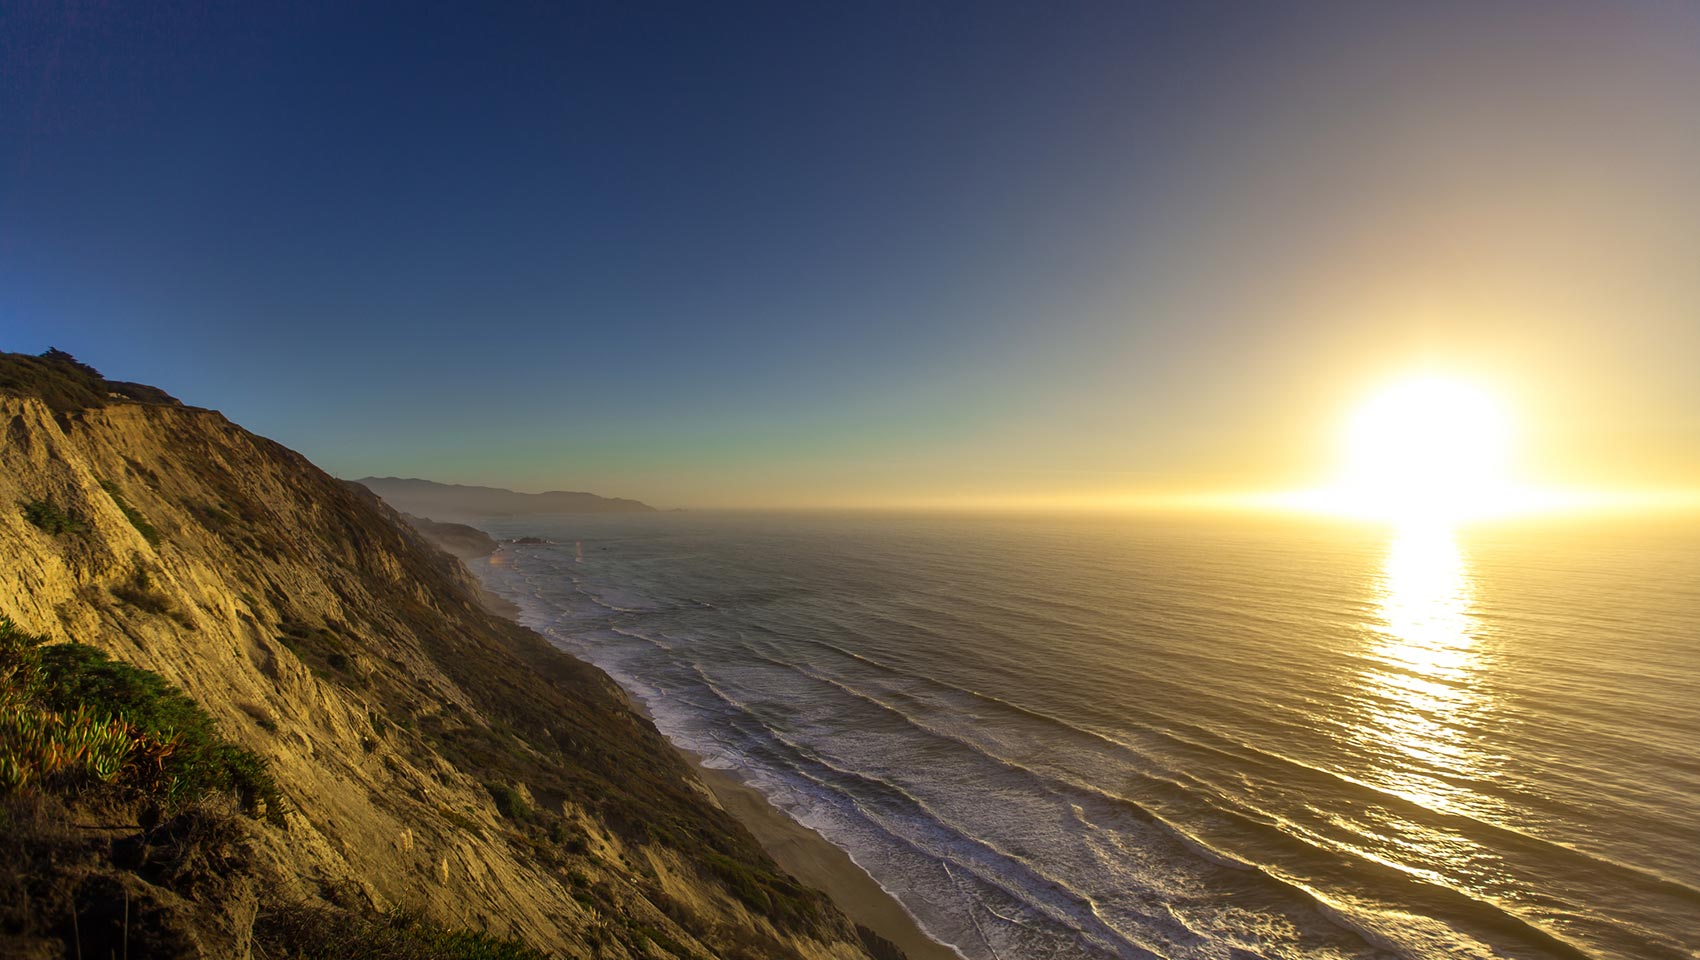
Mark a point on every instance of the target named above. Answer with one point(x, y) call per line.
point(455, 539)
point(448, 501)
point(432, 758)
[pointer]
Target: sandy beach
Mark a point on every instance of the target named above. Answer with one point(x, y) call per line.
point(814, 860)
point(801, 852)
point(811, 858)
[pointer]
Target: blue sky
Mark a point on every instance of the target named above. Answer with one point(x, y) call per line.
point(796, 253)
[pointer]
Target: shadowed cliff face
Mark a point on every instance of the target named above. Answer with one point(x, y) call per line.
point(456, 539)
point(432, 758)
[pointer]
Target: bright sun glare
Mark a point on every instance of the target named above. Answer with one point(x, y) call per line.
point(1426, 451)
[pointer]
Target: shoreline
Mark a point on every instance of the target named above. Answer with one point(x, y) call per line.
point(812, 859)
point(798, 850)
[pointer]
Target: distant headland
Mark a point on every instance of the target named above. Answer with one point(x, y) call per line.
point(452, 501)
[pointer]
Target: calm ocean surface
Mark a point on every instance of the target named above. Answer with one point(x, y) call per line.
point(1155, 738)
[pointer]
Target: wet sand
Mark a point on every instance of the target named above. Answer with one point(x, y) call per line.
point(801, 852)
point(809, 857)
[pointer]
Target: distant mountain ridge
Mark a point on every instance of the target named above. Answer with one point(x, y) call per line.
point(453, 501)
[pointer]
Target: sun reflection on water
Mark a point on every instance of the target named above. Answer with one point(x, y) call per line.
point(1425, 661)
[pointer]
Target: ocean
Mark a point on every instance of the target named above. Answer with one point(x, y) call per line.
point(1166, 738)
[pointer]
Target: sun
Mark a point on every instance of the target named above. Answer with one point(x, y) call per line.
point(1427, 450)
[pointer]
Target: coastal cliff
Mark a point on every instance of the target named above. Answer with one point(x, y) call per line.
point(454, 501)
point(437, 768)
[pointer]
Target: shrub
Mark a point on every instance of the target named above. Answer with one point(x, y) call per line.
point(215, 518)
point(510, 802)
point(138, 521)
point(761, 890)
point(65, 384)
point(461, 820)
point(52, 749)
point(323, 652)
point(303, 932)
point(140, 592)
point(51, 519)
point(70, 716)
point(644, 934)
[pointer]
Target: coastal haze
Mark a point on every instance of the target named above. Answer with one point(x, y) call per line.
point(448, 501)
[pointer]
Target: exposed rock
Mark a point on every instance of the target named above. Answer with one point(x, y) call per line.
point(435, 759)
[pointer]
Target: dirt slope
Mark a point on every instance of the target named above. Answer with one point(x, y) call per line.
point(433, 758)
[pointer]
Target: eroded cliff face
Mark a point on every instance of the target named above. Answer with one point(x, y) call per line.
point(433, 757)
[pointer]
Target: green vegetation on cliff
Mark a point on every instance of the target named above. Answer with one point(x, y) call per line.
point(65, 384)
point(80, 732)
point(301, 933)
point(72, 718)
point(130, 513)
point(49, 519)
point(446, 778)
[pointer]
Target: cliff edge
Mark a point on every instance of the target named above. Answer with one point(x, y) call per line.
point(437, 767)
